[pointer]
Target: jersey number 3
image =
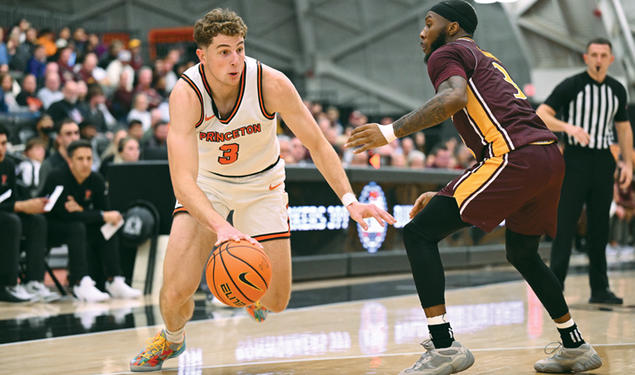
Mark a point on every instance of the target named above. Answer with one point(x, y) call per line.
point(230, 153)
point(519, 93)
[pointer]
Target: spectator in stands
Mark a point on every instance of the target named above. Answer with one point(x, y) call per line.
point(89, 72)
point(68, 131)
point(441, 157)
point(360, 159)
point(95, 110)
point(63, 37)
point(95, 45)
point(4, 53)
point(420, 142)
point(6, 85)
point(298, 150)
point(80, 40)
point(113, 52)
point(50, 93)
point(285, 149)
point(17, 218)
point(144, 85)
point(407, 146)
point(464, 157)
point(88, 132)
point(112, 151)
point(116, 67)
point(76, 219)
point(65, 65)
point(37, 63)
point(20, 52)
point(398, 160)
point(136, 60)
point(46, 39)
point(68, 106)
point(159, 136)
point(128, 151)
point(416, 159)
point(121, 100)
point(28, 95)
point(28, 171)
point(140, 111)
point(135, 129)
point(44, 127)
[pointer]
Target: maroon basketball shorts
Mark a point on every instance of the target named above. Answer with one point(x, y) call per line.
point(521, 187)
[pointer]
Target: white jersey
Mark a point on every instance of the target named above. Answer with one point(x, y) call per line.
point(245, 142)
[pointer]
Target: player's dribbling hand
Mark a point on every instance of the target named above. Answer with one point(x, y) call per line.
point(229, 233)
point(365, 137)
point(360, 211)
point(421, 202)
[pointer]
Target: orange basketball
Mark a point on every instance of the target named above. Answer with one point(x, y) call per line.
point(238, 273)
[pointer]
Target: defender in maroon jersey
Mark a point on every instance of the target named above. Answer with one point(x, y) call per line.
point(517, 179)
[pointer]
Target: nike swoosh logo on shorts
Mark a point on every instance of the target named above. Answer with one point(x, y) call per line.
point(272, 187)
point(243, 278)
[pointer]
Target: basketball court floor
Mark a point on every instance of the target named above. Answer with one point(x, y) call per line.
point(354, 326)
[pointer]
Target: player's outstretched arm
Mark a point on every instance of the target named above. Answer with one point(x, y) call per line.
point(281, 96)
point(183, 159)
point(450, 98)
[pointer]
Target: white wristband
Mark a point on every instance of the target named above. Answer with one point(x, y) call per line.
point(348, 198)
point(388, 131)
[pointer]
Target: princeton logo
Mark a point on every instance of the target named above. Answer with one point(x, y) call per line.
point(376, 234)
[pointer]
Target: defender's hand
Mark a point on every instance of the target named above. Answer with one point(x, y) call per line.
point(359, 212)
point(421, 202)
point(365, 137)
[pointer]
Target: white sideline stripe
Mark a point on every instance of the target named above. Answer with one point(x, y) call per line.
point(337, 358)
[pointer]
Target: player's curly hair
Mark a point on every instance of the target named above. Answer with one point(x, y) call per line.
point(218, 21)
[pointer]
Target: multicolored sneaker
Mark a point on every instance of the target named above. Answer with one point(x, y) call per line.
point(157, 351)
point(257, 311)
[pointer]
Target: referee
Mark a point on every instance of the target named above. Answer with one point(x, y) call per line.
point(588, 103)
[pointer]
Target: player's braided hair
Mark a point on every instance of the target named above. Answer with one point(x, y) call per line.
point(218, 21)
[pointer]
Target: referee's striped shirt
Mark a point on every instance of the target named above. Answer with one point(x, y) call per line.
point(581, 101)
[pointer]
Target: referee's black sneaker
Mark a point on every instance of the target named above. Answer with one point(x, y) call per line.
point(605, 296)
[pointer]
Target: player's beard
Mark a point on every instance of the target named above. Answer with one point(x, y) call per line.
point(438, 42)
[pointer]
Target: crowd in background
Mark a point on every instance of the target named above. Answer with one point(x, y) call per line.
point(57, 86)
point(112, 92)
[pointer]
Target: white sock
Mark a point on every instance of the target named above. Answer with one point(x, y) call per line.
point(567, 324)
point(176, 337)
point(439, 319)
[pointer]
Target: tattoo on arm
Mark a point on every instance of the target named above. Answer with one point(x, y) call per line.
point(450, 98)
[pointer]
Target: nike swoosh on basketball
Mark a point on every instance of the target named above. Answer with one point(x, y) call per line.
point(209, 118)
point(272, 187)
point(243, 278)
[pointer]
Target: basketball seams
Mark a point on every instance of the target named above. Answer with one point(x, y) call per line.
point(229, 276)
point(214, 280)
point(250, 266)
point(231, 269)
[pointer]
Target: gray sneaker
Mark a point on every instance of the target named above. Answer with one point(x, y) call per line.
point(578, 359)
point(444, 361)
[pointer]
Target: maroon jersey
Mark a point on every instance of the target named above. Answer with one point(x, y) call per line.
point(498, 118)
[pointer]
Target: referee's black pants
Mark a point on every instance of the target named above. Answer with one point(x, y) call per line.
point(588, 179)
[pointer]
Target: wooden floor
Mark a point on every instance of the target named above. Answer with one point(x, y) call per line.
point(503, 324)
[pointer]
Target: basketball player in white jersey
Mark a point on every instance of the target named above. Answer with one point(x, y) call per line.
point(224, 156)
